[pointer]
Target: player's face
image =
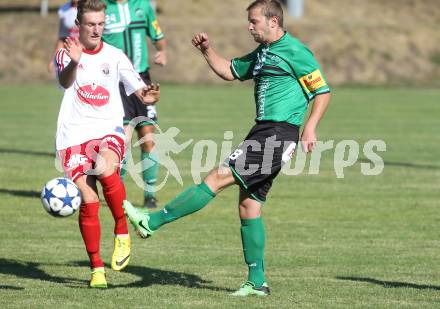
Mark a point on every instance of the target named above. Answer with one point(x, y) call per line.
point(91, 28)
point(258, 25)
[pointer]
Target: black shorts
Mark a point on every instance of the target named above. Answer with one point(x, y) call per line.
point(133, 107)
point(258, 160)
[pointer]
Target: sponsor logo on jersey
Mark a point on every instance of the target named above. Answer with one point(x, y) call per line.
point(313, 81)
point(93, 94)
point(80, 66)
point(138, 40)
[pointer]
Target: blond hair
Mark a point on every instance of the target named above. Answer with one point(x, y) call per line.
point(85, 6)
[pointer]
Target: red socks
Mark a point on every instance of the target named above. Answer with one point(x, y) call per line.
point(91, 232)
point(114, 193)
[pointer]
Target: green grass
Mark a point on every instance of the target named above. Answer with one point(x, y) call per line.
point(357, 242)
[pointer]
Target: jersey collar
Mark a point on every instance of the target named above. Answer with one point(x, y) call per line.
point(279, 40)
point(94, 52)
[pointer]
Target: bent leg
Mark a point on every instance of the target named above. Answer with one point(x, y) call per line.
point(113, 188)
point(193, 199)
point(219, 179)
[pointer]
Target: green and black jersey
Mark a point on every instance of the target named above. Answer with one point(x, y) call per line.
point(127, 24)
point(287, 76)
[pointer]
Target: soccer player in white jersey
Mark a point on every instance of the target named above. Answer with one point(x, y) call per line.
point(90, 135)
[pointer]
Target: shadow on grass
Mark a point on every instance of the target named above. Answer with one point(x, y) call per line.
point(27, 152)
point(148, 276)
point(10, 287)
point(30, 270)
point(391, 284)
point(22, 193)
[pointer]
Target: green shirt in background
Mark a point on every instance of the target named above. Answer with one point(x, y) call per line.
point(127, 25)
point(286, 75)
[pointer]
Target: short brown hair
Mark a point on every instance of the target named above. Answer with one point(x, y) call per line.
point(269, 8)
point(85, 6)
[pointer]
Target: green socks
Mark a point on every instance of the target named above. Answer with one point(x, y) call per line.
point(252, 230)
point(191, 200)
point(150, 167)
point(253, 239)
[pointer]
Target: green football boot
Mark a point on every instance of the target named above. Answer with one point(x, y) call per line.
point(248, 289)
point(139, 219)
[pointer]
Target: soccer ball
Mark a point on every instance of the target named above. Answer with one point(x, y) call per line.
point(60, 197)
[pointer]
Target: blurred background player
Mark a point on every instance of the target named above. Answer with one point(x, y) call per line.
point(67, 27)
point(90, 135)
point(128, 24)
point(287, 77)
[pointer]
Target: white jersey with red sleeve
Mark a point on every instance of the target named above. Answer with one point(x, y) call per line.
point(92, 108)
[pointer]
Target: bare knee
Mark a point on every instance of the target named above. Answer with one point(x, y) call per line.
point(219, 178)
point(145, 134)
point(147, 146)
point(248, 208)
point(87, 186)
point(107, 164)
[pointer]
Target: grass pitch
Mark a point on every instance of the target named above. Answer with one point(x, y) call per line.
point(355, 242)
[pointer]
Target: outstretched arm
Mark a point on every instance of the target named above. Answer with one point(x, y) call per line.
point(308, 137)
point(218, 64)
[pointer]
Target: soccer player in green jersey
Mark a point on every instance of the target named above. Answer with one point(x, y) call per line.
point(128, 23)
point(287, 78)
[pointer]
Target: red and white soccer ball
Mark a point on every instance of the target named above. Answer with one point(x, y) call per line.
point(60, 197)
